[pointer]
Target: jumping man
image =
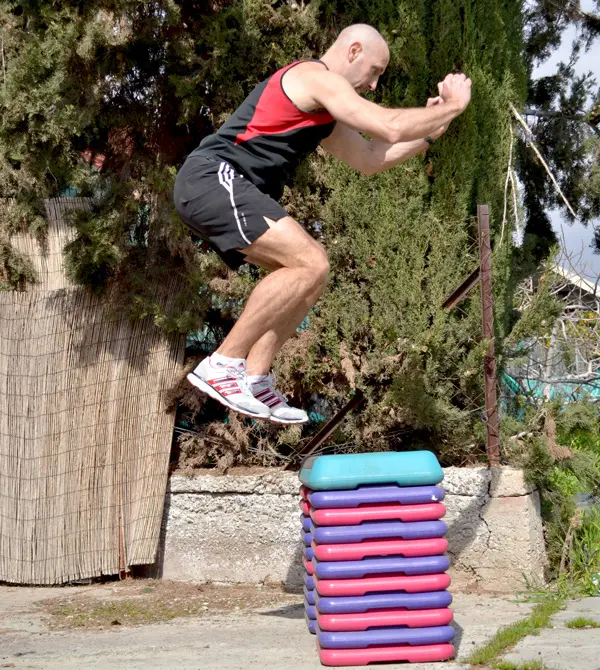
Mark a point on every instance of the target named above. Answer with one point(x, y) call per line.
point(228, 190)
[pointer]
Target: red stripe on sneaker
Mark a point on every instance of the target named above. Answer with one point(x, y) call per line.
point(225, 385)
point(272, 403)
point(212, 382)
point(232, 388)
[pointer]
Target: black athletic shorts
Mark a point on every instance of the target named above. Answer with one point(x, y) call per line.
point(222, 207)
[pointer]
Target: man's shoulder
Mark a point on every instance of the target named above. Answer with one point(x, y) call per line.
point(300, 68)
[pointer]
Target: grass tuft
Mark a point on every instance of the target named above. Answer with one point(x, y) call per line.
point(527, 665)
point(582, 622)
point(509, 636)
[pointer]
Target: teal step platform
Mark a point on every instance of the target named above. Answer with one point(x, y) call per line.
point(348, 471)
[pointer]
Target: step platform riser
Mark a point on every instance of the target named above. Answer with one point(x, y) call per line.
point(426, 565)
point(378, 601)
point(385, 636)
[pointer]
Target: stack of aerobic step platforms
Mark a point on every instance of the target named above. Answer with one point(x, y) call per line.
point(374, 557)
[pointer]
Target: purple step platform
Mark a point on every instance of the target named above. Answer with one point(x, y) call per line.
point(309, 582)
point(307, 538)
point(381, 601)
point(308, 553)
point(309, 595)
point(384, 636)
point(426, 565)
point(369, 495)
point(310, 611)
point(416, 530)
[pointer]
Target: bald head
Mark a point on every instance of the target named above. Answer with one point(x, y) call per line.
point(360, 54)
point(365, 35)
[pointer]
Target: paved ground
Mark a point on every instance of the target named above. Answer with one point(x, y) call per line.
point(270, 638)
point(562, 648)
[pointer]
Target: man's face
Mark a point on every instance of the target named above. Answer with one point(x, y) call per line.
point(365, 65)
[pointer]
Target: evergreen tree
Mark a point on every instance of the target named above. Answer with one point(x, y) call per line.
point(133, 86)
point(563, 110)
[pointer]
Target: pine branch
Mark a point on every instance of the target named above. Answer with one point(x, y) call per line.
point(576, 9)
point(593, 18)
point(549, 114)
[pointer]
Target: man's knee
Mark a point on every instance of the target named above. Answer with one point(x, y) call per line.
point(286, 244)
point(314, 264)
point(320, 266)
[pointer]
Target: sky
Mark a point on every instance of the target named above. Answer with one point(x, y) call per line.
point(577, 238)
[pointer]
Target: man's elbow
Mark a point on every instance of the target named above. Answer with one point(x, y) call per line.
point(371, 160)
point(390, 133)
point(368, 162)
point(398, 131)
point(369, 170)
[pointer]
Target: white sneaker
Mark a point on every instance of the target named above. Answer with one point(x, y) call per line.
point(228, 385)
point(265, 391)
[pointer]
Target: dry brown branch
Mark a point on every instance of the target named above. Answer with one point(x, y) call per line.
point(566, 548)
point(532, 144)
point(3, 63)
point(558, 452)
point(508, 180)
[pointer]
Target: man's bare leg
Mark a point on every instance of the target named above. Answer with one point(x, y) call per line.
point(275, 308)
point(282, 299)
point(262, 354)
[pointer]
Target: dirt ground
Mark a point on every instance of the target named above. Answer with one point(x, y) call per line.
point(146, 601)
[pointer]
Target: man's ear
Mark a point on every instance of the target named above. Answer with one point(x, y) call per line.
point(354, 51)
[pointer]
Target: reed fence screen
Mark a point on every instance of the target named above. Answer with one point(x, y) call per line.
point(84, 436)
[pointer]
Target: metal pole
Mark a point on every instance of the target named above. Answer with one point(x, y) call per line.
point(487, 314)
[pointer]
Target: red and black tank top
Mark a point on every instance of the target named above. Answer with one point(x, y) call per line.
point(268, 136)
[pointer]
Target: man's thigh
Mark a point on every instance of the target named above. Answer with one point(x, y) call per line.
point(284, 244)
point(222, 207)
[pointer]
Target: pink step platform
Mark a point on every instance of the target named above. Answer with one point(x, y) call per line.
point(308, 566)
point(381, 618)
point(352, 516)
point(418, 654)
point(364, 585)
point(355, 552)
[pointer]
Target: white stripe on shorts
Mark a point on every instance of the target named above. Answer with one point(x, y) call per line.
point(226, 176)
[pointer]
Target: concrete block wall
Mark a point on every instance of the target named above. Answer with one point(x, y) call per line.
point(246, 529)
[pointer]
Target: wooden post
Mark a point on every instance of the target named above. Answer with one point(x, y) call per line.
point(487, 314)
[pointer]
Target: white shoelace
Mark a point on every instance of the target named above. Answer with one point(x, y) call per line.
point(239, 374)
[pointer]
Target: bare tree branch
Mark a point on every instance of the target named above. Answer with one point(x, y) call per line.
point(550, 114)
point(522, 121)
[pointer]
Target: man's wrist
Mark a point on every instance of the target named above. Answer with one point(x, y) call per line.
point(454, 107)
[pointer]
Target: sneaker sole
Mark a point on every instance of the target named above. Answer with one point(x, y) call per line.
point(275, 420)
point(201, 385)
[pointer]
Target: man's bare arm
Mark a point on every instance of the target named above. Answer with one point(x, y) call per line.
point(369, 156)
point(334, 93)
